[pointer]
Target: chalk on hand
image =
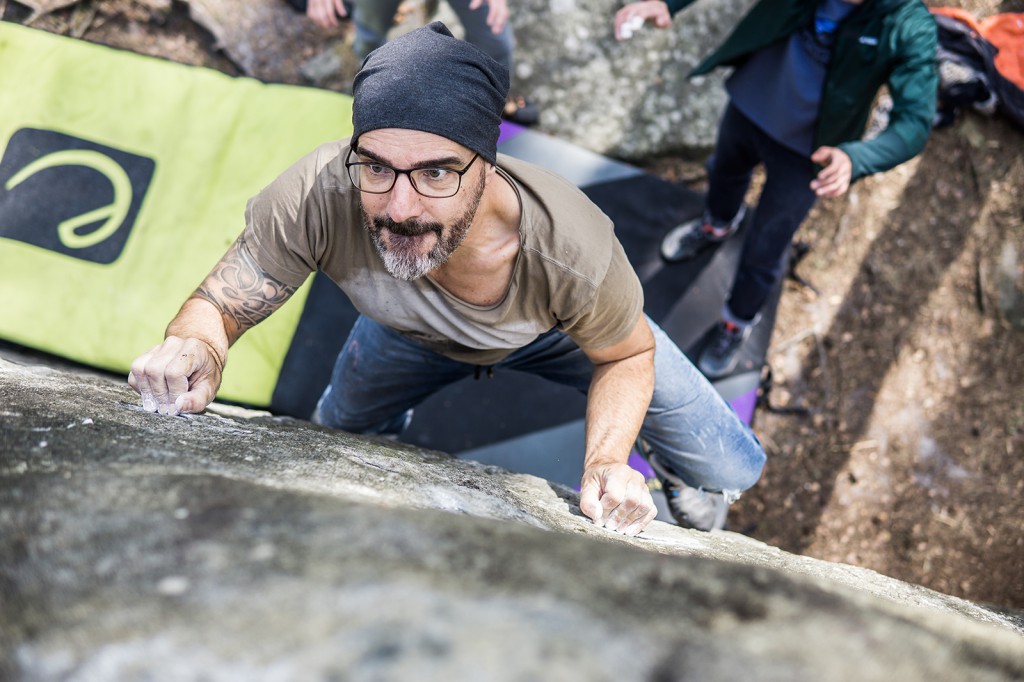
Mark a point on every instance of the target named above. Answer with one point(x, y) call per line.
point(630, 26)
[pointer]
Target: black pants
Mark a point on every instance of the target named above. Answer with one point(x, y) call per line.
point(784, 203)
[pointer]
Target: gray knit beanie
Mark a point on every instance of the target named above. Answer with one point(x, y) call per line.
point(431, 81)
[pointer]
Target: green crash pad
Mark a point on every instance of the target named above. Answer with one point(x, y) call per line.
point(123, 179)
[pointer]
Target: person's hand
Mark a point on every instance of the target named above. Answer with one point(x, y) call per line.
point(653, 11)
point(497, 13)
point(616, 496)
point(325, 13)
point(179, 375)
point(834, 178)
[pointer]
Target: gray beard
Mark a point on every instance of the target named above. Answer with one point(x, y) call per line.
point(407, 263)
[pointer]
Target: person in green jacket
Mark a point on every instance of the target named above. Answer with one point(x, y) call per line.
point(806, 73)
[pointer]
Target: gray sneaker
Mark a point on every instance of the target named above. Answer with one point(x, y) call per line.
point(690, 507)
point(722, 352)
point(685, 241)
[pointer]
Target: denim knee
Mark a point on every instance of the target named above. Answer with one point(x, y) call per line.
point(330, 412)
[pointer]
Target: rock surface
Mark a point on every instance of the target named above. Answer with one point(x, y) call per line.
point(260, 36)
point(629, 99)
point(239, 546)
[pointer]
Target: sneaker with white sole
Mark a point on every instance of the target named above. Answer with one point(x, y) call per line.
point(690, 507)
point(685, 241)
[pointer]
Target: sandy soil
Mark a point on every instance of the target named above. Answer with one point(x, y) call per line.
point(909, 457)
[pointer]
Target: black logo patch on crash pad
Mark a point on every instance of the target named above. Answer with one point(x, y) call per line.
point(70, 195)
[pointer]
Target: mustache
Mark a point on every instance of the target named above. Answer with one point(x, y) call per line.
point(406, 228)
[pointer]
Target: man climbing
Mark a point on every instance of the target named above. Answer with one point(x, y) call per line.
point(458, 260)
point(806, 75)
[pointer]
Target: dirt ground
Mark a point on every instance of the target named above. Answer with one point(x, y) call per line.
point(895, 424)
point(909, 457)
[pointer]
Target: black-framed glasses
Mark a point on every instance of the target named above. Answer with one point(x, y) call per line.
point(375, 177)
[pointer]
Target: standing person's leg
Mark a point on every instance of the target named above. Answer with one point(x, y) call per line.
point(729, 172)
point(731, 167)
point(373, 20)
point(784, 203)
point(379, 377)
point(499, 46)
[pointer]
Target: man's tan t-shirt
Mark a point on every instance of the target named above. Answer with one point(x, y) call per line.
point(571, 271)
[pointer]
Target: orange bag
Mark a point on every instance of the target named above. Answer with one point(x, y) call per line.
point(1006, 33)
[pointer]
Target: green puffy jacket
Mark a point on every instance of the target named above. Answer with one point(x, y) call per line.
point(881, 42)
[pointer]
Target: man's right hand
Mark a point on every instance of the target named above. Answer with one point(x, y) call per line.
point(652, 11)
point(179, 375)
point(183, 373)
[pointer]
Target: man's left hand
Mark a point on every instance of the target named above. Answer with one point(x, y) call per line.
point(616, 497)
point(834, 178)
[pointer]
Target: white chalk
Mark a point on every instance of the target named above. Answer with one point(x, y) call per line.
point(630, 26)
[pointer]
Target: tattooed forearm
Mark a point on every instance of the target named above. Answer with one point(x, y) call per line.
point(242, 291)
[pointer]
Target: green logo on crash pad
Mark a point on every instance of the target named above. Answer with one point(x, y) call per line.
point(70, 195)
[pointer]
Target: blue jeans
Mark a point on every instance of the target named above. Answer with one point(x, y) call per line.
point(380, 376)
point(784, 203)
point(373, 19)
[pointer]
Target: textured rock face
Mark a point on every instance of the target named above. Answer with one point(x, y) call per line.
point(229, 547)
point(1009, 278)
point(629, 99)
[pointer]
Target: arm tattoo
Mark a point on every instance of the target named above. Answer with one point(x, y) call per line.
point(241, 290)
